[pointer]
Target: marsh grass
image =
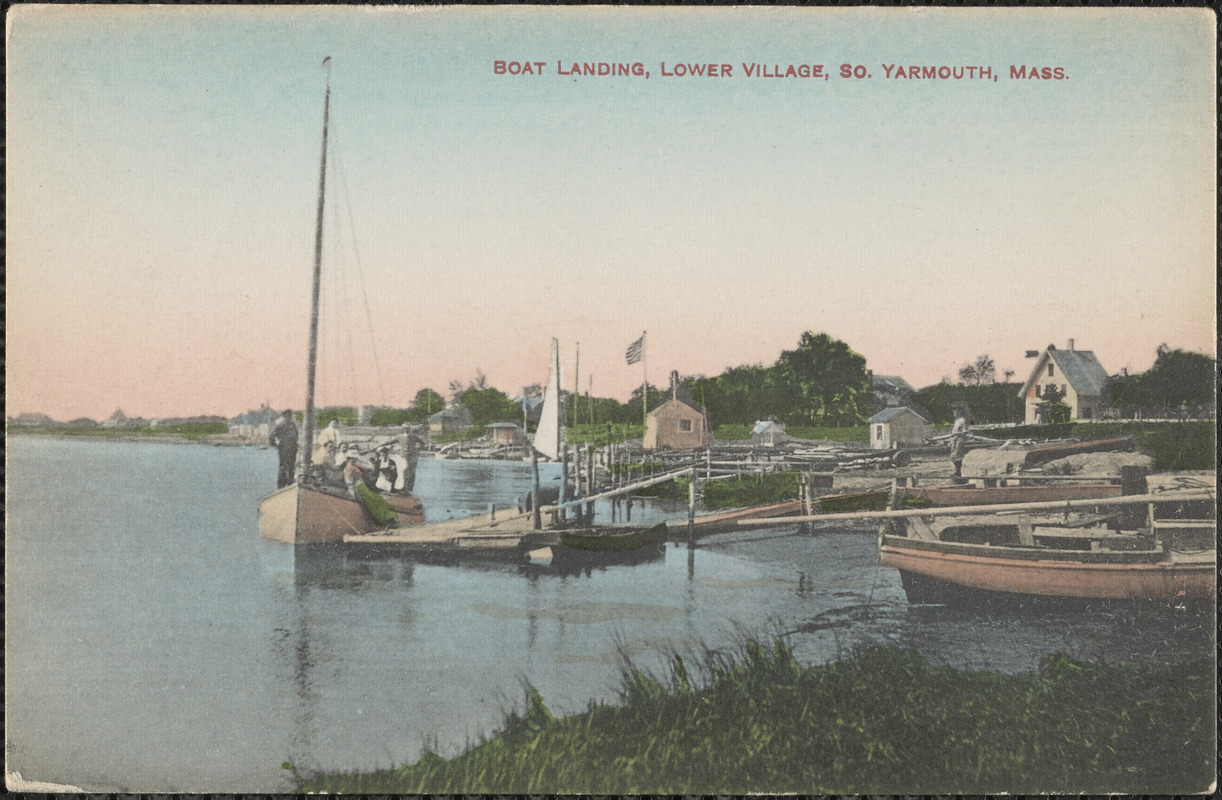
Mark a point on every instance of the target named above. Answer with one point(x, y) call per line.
point(740, 492)
point(884, 721)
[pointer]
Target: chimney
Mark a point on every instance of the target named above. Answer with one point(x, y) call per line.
point(1071, 345)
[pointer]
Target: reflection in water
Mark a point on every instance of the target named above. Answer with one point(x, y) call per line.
point(583, 614)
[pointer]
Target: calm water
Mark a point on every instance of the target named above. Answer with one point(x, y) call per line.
point(155, 643)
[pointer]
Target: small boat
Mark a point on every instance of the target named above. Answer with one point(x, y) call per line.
point(306, 511)
point(1081, 553)
point(1021, 493)
point(614, 540)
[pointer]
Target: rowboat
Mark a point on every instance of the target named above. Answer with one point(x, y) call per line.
point(621, 540)
point(1081, 553)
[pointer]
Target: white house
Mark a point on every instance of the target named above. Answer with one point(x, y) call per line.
point(1077, 374)
point(898, 425)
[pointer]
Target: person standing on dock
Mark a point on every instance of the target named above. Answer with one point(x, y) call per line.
point(283, 437)
point(958, 438)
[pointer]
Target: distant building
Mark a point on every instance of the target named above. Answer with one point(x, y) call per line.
point(121, 420)
point(454, 417)
point(898, 425)
point(254, 425)
point(1076, 374)
point(769, 432)
point(677, 425)
point(33, 420)
point(505, 433)
point(890, 390)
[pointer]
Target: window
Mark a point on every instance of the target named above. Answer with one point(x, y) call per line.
point(1085, 412)
point(1037, 390)
point(878, 431)
point(1049, 369)
point(685, 425)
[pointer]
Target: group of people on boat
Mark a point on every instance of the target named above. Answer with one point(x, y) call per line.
point(377, 471)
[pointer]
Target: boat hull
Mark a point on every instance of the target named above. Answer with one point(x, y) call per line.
point(929, 569)
point(299, 514)
point(992, 495)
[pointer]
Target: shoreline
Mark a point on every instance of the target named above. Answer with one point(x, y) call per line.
point(214, 440)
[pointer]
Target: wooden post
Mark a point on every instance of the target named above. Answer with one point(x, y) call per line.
point(564, 481)
point(691, 499)
point(590, 484)
point(536, 519)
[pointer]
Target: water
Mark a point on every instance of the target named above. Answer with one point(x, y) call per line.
point(155, 643)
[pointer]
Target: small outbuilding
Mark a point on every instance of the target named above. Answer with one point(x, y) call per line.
point(454, 417)
point(898, 425)
point(768, 432)
point(677, 425)
point(504, 433)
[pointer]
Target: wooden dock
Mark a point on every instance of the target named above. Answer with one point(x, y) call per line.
point(504, 530)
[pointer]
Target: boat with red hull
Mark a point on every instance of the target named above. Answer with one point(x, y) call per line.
point(305, 514)
point(1091, 555)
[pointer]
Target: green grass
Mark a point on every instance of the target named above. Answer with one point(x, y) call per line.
point(884, 722)
point(740, 492)
point(600, 435)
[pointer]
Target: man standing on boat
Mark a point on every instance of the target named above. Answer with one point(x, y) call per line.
point(283, 437)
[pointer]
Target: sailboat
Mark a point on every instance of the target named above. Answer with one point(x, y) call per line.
point(308, 511)
point(549, 438)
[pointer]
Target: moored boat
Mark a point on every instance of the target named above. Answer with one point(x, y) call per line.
point(1084, 554)
point(307, 511)
point(616, 540)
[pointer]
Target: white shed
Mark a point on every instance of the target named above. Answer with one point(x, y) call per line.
point(898, 425)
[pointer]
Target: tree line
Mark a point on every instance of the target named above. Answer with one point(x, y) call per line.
point(823, 382)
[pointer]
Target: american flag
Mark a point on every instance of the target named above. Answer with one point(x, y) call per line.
point(634, 351)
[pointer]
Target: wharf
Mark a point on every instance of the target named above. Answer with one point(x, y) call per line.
point(506, 530)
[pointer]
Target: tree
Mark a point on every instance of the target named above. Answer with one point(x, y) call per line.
point(980, 372)
point(428, 402)
point(1053, 409)
point(823, 382)
point(489, 405)
point(1180, 378)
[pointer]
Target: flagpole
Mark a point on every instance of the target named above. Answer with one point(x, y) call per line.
point(644, 383)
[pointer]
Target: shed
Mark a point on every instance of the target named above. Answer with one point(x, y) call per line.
point(677, 425)
point(898, 425)
point(769, 432)
point(504, 433)
point(454, 417)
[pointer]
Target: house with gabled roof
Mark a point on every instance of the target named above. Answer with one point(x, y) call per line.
point(1076, 374)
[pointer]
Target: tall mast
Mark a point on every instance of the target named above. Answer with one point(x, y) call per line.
point(305, 451)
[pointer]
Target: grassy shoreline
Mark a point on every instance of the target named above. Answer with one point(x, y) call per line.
point(883, 722)
point(169, 435)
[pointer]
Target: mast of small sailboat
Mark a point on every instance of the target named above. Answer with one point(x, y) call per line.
point(305, 451)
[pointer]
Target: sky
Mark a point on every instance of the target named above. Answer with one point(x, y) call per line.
point(163, 164)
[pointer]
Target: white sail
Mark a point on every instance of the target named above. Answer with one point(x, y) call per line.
point(550, 436)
